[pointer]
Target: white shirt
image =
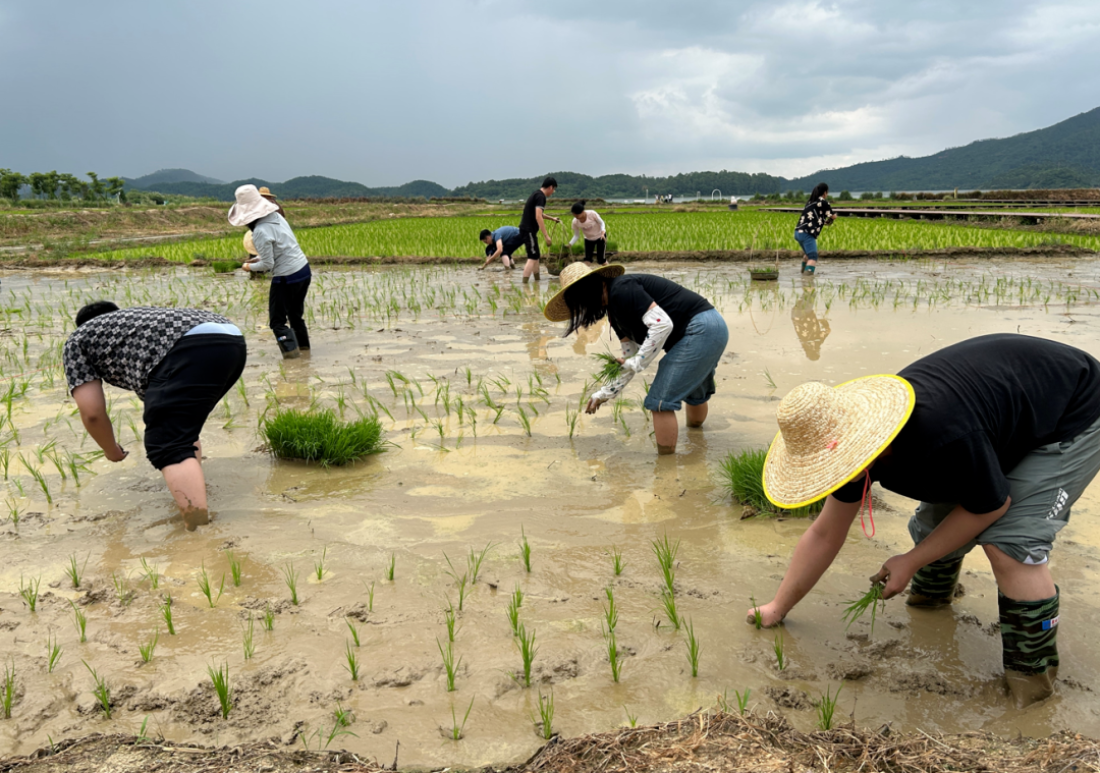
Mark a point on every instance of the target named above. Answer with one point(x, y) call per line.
point(593, 227)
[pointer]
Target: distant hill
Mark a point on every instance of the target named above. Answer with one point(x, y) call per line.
point(1065, 155)
point(165, 176)
point(624, 186)
point(312, 187)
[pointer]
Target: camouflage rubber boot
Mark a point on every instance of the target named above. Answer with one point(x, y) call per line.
point(935, 585)
point(1029, 638)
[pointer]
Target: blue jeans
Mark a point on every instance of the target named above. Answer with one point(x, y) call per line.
point(686, 372)
point(808, 243)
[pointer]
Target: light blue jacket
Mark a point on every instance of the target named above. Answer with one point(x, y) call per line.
point(277, 247)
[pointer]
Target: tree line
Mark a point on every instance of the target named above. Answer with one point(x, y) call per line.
point(60, 186)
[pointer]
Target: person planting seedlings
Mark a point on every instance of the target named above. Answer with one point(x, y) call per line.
point(278, 252)
point(815, 216)
point(267, 194)
point(179, 362)
point(591, 225)
point(501, 243)
point(996, 437)
point(533, 223)
point(648, 313)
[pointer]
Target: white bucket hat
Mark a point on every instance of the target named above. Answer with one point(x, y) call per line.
point(250, 206)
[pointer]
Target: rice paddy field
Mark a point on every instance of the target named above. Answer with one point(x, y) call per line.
point(509, 568)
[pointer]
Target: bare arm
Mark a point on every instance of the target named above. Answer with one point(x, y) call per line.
point(93, 413)
point(495, 255)
point(815, 551)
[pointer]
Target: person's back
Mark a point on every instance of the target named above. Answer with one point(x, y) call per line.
point(284, 256)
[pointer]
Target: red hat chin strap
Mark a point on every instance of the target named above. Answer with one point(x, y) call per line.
point(870, 506)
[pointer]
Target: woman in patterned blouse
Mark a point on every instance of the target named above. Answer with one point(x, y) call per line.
point(816, 215)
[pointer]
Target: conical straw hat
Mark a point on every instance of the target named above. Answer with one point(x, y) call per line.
point(557, 310)
point(827, 436)
point(249, 245)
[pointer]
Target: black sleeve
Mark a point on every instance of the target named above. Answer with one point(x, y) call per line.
point(975, 471)
point(851, 492)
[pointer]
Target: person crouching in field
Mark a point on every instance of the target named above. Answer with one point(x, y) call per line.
point(279, 253)
point(648, 313)
point(179, 362)
point(996, 437)
point(587, 222)
point(501, 243)
point(533, 223)
point(815, 216)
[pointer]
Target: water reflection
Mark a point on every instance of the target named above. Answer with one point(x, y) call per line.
point(811, 330)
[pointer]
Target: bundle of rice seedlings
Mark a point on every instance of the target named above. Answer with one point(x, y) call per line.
point(609, 368)
point(871, 599)
point(225, 266)
point(319, 436)
point(743, 479)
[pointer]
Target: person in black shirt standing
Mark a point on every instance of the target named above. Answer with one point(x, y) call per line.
point(533, 222)
point(816, 215)
point(996, 436)
point(648, 313)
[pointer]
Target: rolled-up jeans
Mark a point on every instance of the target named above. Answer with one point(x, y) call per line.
point(686, 372)
point(808, 244)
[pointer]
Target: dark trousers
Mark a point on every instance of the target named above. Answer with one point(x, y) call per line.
point(595, 247)
point(287, 302)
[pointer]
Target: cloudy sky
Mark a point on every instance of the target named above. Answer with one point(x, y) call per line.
point(460, 90)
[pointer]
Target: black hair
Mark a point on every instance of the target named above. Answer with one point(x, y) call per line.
point(549, 182)
point(585, 301)
point(819, 190)
point(93, 310)
point(578, 207)
point(484, 232)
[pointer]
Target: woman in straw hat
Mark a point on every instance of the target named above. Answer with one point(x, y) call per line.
point(267, 194)
point(648, 313)
point(278, 252)
point(996, 437)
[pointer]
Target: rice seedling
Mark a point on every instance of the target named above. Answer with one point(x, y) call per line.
point(668, 603)
point(826, 708)
point(123, 594)
point(545, 725)
point(631, 719)
point(524, 420)
point(610, 611)
point(571, 416)
point(768, 378)
point(225, 266)
point(165, 610)
point(743, 479)
point(610, 368)
point(450, 617)
point(450, 664)
point(872, 600)
point(391, 566)
point(248, 641)
point(147, 649)
point(370, 597)
point(343, 716)
point(29, 592)
point(617, 562)
point(666, 551)
point(525, 550)
point(150, 573)
point(757, 617)
point(613, 653)
point(319, 566)
point(354, 630)
point(101, 691)
point(457, 728)
point(81, 622)
point(219, 678)
point(513, 615)
point(207, 589)
point(268, 620)
point(527, 651)
point(474, 561)
point(7, 690)
point(742, 699)
point(235, 566)
point(321, 437)
point(693, 649)
point(53, 653)
point(777, 648)
point(73, 572)
point(291, 578)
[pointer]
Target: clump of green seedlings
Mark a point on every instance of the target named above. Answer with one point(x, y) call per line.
point(610, 610)
point(668, 603)
point(457, 728)
point(450, 617)
point(268, 620)
point(525, 550)
point(545, 724)
point(29, 591)
point(872, 600)
point(666, 551)
point(235, 567)
point(219, 678)
point(513, 610)
point(150, 573)
point(122, 590)
point(780, 656)
point(319, 436)
point(319, 566)
point(53, 653)
point(742, 698)
point(149, 647)
point(291, 578)
point(249, 644)
point(225, 266)
point(75, 573)
point(617, 562)
point(827, 708)
point(450, 663)
point(165, 610)
point(352, 662)
point(208, 590)
point(693, 649)
point(610, 368)
point(354, 631)
point(391, 566)
point(7, 690)
point(613, 656)
point(475, 559)
point(743, 479)
point(81, 622)
point(757, 616)
point(370, 597)
point(527, 651)
point(101, 691)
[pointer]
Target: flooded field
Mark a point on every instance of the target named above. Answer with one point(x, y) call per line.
point(479, 395)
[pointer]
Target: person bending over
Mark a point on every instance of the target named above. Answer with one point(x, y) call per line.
point(533, 223)
point(179, 362)
point(278, 252)
point(648, 313)
point(501, 243)
point(589, 223)
point(815, 216)
point(996, 437)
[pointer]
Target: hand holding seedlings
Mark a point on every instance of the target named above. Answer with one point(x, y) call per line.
point(895, 575)
point(872, 598)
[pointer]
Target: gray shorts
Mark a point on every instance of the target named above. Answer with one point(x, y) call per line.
point(1043, 488)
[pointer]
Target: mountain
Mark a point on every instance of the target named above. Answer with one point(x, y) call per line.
point(572, 185)
point(1065, 155)
point(312, 187)
point(164, 176)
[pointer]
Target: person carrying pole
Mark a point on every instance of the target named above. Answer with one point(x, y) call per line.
point(533, 223)
point(591, 225)
point(996, 437)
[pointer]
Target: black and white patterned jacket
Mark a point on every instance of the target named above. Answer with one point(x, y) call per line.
point(814, 217)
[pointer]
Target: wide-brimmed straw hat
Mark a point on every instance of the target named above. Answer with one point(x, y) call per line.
point(249, 245)
point(827, 436)
point(250, 206)
point(557, 310)
point(265, 191)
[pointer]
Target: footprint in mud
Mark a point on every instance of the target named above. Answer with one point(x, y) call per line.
point(849, 672)
point(789, 698)
point(357, 612)
point(259, 700)
point(401, 677)
point(930, 682)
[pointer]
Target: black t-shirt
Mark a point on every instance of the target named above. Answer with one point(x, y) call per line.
point(529, 224)
point(982, 405)
point(813, 217)
point(629, 298)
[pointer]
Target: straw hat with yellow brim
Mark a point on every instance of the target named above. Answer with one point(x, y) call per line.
point(265, 191)
point(557, 310)
point(828, 435)
point(249, 245)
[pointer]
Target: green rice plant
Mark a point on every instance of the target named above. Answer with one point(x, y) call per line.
point(743, 479)
point(81, 622)
point(450, 617)
point(321, 437)
point(742, 701)
point(391, 566)
point(101, 691)
point(872, 600)
point(291, 578)
point(7, 690)
point(768, 378)
point(518, 596)
point(247, 636)
point(207, 589)
point(610, 368)
point(456, 727)
point(319, 566)
point(617, 562)
point(73, 572)
point(225, 266)
point(450, 664)
point(610, 611)
point(777, 648)
point(235, 565)
point(219, 678)
point(513, 614)
point(613, 656)
point(571, 416)
point(268, 620)
point(545, 725)
point(757, 617)
point(53, 653)
point(527, 651)
point(693, 649)
point(352, 662)
point(524, 420)
point(150, 573)
point(525, 550)
point(826, 708)
point(343, 716)
point(29, 592)
point(475, 559)
point(149, 647)
point(666, 558)
point(165, 610)
point(123, 594)
point(353, 629)
point(668, 603)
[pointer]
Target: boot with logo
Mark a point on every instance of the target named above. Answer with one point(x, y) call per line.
point(288, 345)
point(935, 585)
point(1029, 638)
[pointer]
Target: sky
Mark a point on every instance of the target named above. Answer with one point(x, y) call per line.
point(456, 91)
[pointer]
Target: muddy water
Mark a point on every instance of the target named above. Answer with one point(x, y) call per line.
point(575, 500)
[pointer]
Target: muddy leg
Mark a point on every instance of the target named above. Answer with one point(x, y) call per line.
point(665, 429)
point(188, 486)
point(531, 267)
point(696, 415)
